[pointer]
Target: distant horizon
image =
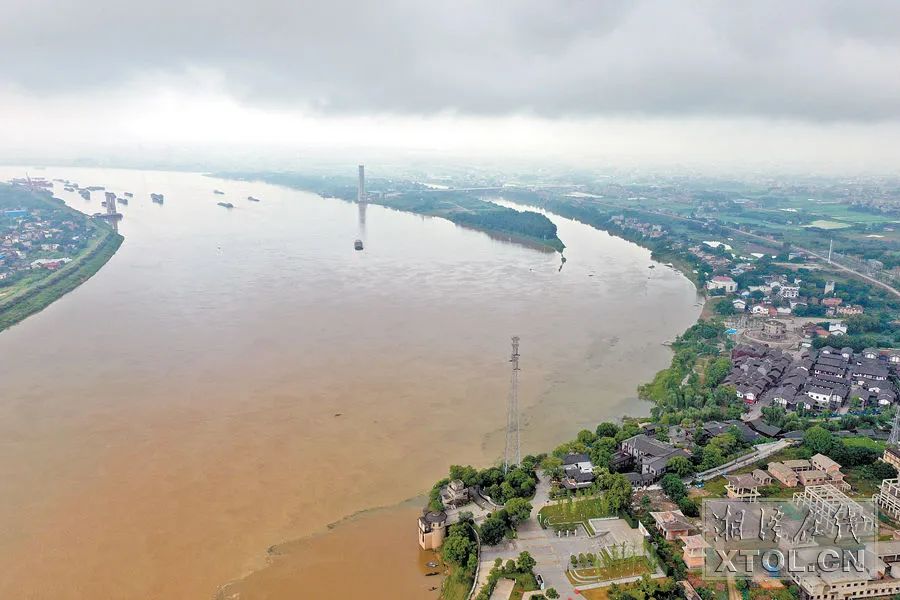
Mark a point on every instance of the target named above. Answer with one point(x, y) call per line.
point(391, 164)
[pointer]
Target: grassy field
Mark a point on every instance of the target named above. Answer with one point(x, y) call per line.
point(633, 566)
point(573, 512)
point(865, 442)
point(823, 224)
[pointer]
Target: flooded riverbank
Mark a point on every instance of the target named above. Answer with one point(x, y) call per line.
point(234, 380)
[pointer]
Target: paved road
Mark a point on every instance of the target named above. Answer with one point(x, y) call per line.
point(541, 495)
point(762, 451)
point(756, 409)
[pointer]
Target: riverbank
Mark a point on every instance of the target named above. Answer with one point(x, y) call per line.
point(603, 218)
point(42, 294)
point(464, 209)
point(265, 352)
point(27, 298)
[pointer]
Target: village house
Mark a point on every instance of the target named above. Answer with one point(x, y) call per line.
point(761, 477)
point(786, 476)
point(832, 469)
point(837, 329)
point(814, 477)
point(742, 487)
point(870, 353)
point(760, 309)
point(849, 310)
point(798, 465)
point(820, 470)
point(579, 471)
point(892, 457)
point(455, 494)
point(868, 370)
point(789, 291)
point(672, 524)
point(763, 428)
point(722, 282)
point(694, 553)
point(650, 454)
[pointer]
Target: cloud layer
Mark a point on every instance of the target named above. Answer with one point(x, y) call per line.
point(812, 61)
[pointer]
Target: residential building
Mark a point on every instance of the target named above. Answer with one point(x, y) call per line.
point(849, 310)
point(761, 477)
point(892, 456)
point(722, 282)
point(652, 455)
point(814, 477)
point(759, 309)
point(868, 370)
point(786, 476)
point(672, 524)
point(832, 469)
point(798, 465)
point(790, 291)
point(579, 471)
point(455, 494)
point(742, 487)
point(694, 553)
point(870, 353)
point(763, 428)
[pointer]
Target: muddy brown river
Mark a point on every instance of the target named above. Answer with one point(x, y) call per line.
point(240, 405)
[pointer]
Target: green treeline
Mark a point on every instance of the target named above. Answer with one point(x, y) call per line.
point(461, 208)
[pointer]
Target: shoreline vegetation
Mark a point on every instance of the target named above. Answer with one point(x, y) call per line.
point(36, 296)
point(687, 393)
point(459, 207)
point(703, 340)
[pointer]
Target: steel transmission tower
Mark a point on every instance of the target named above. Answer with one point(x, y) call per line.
point(512, 456)
point(894, 440)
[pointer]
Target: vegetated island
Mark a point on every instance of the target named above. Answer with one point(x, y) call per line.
point(461, 207)
point(46, 250)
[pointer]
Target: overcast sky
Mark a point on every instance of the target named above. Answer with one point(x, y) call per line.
point(587, 81)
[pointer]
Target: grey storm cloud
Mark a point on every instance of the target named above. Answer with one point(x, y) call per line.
point(817, 61)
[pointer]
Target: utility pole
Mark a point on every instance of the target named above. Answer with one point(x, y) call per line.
point(512, 455)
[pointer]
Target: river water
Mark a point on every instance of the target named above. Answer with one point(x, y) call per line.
point(234, 380)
